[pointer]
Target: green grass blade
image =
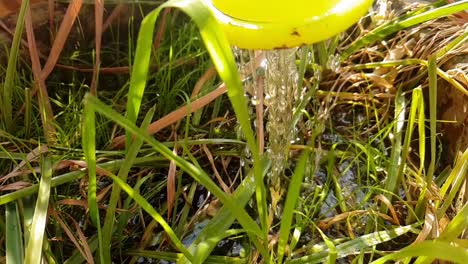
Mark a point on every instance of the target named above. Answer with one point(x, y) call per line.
point(145, 205)
point(200, 176)
point(453, 183)
point(11, 72)
point(294, 191)
point(28, 205)
point(209, 237)
point(416, 116)
point(385, 30)
point(14, 236)
point(89, 149)
point(108, 227)
point(432, 71)
point(34, 248)
point(357, 245)
point(332, 251)
point(140, 68)
point(417, 107)
point(395, 161)
point(456, 226)
point(434, 249)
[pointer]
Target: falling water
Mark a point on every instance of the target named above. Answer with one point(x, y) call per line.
point(280, 89)
point(280, 78)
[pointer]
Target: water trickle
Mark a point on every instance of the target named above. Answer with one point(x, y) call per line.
point(281, 78)
point(278, 74)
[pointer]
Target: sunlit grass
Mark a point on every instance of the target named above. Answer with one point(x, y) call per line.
point(364, 178)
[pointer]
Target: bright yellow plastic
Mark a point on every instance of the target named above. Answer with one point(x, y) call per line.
point(273, 24)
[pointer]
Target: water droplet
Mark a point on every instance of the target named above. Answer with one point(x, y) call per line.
point(254, 100)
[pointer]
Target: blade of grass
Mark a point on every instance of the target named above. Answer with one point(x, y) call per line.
point(115, 195)
point(453, 183)
point(416, 116)
point(357, 245)
point(28, 205)
point(457, 42)
point(432, 71)
point(220, 52)
point(10, 76)
point(434, 249)
point(395, 161)
point(458, 225)
point(125, 215)
point(333, 175)
point(48, 254)
point(14, 236)
point(145, 205)
point(89, 149)
point(332, 251)
point(294, 191)
point(209, 237)
point(34, 248)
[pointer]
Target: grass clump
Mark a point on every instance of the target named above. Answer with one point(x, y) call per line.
point(150, 169)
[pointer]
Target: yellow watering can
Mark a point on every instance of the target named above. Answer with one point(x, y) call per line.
point(274, 24)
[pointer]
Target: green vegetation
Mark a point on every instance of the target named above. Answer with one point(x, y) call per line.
point(152, 163)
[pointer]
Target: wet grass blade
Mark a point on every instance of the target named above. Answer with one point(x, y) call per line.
point(115, 195)
point(434, 249)
point(14, 236)
point(294, 191)
point(395, 161)
point(145, 205)
point(214, 231)
point(356, 246)
point(382, 32)
point(34, 248)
